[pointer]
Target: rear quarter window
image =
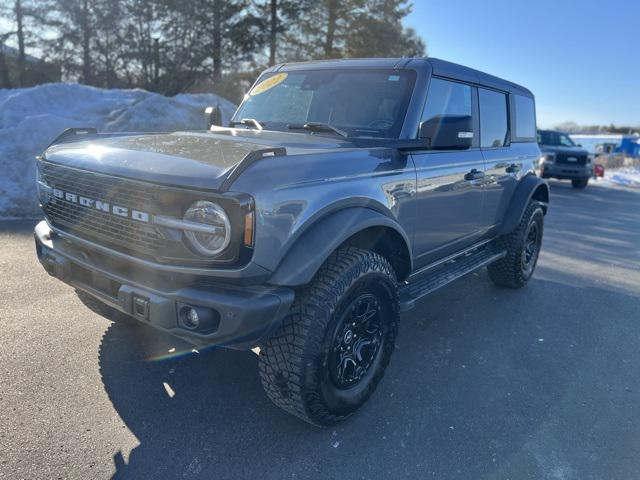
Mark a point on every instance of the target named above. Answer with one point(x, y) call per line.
point(525, 117)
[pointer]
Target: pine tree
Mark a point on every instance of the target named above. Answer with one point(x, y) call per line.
point(357, 28)
point(6, 11)
point(323, 27)
point(24, 17)
point(377, 31)
point(279, 18)
point(5, 78)
point(141, 40)
point(110, 17)
point(168, 45)
point(74, 22)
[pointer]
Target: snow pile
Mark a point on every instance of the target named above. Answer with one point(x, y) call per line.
point(30, 118)
point(628, 177)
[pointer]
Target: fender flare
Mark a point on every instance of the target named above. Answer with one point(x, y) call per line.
point(301, 262)
point(531, 186)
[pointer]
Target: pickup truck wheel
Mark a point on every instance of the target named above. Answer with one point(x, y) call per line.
point(333, 347)
point(523, 247)
point(580, 184)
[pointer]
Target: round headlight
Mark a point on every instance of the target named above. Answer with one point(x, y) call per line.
point(210, 241)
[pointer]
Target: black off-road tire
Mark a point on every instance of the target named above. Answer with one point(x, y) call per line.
point(511, 270)
point(296, 362)
point(580, 184)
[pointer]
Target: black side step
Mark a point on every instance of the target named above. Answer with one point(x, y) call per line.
point(442, 273)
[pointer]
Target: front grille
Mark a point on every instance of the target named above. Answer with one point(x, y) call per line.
point(563, 158)
point(130, 233)
point(94, 224)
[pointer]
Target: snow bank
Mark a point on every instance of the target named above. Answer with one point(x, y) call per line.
point(628, 177)
point(30, 118)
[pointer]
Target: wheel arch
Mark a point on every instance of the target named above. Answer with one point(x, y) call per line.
point(356, 226)
point(529, 188)
point(541, 194)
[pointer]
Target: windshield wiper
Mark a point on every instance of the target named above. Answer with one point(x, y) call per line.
point(318, 127)
point(247, 122)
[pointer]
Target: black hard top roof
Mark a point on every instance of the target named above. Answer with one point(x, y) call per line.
point(439, 67)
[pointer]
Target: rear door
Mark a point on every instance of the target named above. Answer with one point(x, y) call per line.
point(449, 182)
point(502, 162)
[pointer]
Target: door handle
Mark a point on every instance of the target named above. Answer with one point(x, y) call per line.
point(474, 175)
point(514, 168)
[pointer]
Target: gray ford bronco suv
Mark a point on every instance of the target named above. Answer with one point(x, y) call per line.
point(340, 194)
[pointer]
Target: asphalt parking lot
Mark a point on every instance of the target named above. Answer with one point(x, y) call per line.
point(541, 383)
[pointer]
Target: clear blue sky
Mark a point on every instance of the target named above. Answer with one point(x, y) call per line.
point(580, 58)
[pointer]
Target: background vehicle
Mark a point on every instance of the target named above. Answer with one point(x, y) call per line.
point(563, 159)
point(344, 192)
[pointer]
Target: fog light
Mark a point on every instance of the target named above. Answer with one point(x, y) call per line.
point(198, 319)
point(191, 318)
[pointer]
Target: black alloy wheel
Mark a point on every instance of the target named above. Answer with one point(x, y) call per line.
point(356, 342)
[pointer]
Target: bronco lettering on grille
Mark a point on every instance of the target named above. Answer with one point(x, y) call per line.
point(102, 206)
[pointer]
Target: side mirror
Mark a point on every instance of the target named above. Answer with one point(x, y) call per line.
point(448, 132)
point(579, 145)
point(213, 116)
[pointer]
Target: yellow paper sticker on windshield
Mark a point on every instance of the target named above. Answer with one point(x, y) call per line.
point(267, 84)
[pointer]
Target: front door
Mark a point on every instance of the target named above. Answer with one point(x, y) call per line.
point(450, 192)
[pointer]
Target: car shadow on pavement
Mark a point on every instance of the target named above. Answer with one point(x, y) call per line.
point(484, 381)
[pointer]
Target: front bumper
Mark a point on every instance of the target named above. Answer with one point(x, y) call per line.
point(565, 171)
point(238, 316)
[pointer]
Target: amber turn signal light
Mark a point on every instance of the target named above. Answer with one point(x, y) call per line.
point(248, 229)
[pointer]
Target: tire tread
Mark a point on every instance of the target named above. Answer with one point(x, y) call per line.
point(286, 359)
point(507, 271)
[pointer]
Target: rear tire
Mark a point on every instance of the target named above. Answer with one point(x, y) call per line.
point(580, 184)
point(331, 351)
point(523, 247)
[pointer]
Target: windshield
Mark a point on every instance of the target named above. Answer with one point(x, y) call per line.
point(555, 139)
point(362, 103)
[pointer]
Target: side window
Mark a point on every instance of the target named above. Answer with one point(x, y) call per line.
point(493, 118)
point(447, 119)
point(565, 141)
point(546, 138)
point(525, 117)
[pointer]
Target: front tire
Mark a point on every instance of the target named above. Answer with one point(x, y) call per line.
point(331, 351)
point(523, 248)
point(580, 184)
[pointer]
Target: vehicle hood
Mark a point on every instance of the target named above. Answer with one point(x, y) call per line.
point(564, 150)
point(200, 160)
